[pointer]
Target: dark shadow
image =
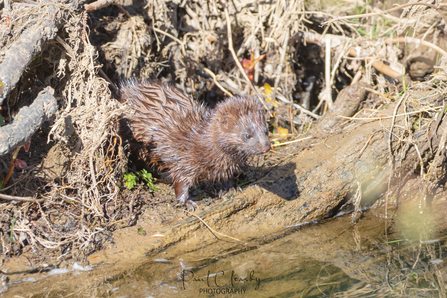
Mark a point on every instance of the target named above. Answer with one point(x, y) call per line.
point(281, 180)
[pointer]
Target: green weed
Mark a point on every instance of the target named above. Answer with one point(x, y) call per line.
point(131, 179)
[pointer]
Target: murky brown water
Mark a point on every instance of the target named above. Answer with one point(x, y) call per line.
point(402, 256)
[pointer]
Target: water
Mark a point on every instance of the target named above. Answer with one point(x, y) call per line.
point(336, 258)
point(373, 257)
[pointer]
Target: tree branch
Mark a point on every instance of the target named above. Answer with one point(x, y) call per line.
point(27, 121)
point(22, 52)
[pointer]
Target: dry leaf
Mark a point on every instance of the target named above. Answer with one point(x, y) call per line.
point(269, 91)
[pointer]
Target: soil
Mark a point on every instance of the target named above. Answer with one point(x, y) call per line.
point(381, 143)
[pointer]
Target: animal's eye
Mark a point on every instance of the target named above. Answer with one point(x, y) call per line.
point(248, 136)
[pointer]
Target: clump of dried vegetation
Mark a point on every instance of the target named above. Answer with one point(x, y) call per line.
point(210, 49)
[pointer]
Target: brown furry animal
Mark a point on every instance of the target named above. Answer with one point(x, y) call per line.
point(194, 143)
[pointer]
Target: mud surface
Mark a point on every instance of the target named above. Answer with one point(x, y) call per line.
point(374, 256)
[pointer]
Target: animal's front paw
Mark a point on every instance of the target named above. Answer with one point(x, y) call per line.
point(189, 205)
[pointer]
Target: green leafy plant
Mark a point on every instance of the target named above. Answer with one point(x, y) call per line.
point(416, 125)
point(131, 180)
point(148, 178)
point(141, 231)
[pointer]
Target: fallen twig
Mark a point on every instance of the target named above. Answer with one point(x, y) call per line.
point(416, 41)
point(27, 121)
point(327, 74)
point(378, 93)
point(214, 232)
point(99, 4)
point(216, 82)
point(303, 110)
point(380, 66)
point(367, 142)
point(23, 199)
point(357, 77)
point(66, 47)
point(316, 38)
point(388, 117)
point(22, 53)
point(172, 37)
point(294, 141)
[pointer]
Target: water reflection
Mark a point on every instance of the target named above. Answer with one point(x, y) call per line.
point(336, 258)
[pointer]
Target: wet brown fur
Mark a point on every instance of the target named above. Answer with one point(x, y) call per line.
point(194, 143)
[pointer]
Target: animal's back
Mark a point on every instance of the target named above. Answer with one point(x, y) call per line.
point(160, 109)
